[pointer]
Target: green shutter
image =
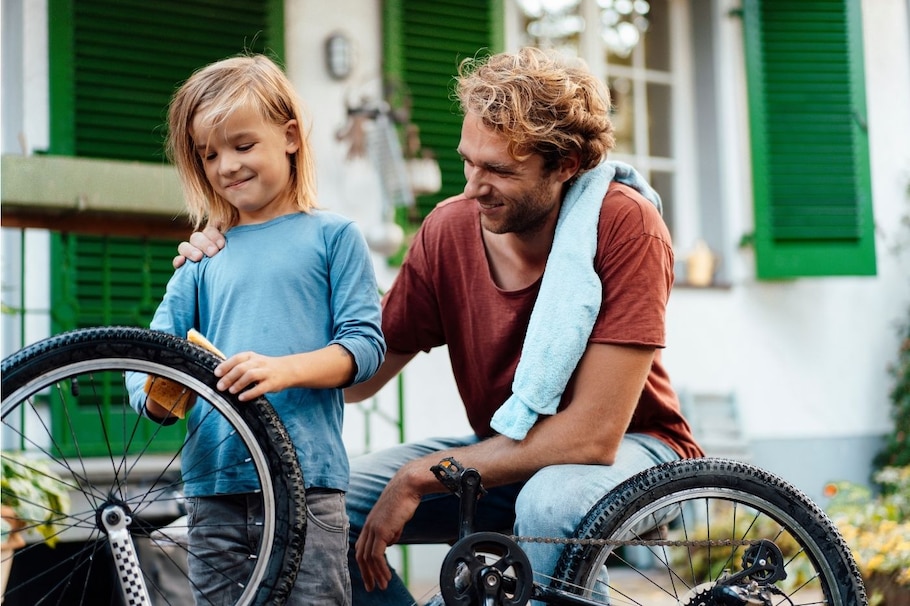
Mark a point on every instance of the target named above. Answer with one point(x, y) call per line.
point(106, 281)
point(115, 64)
point(810, 157)
point(425, 41)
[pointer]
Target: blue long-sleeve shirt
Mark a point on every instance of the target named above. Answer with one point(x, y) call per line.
point(297, 283)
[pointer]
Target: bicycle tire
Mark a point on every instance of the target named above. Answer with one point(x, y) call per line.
point(751, 503)
point(73, 366)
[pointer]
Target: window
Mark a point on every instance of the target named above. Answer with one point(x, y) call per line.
point(106, 281)
point(116, 63)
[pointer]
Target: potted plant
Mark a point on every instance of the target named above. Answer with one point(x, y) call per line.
point(32, 498)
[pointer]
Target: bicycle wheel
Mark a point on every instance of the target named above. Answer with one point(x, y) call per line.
point(709, 532)
point(65, 408)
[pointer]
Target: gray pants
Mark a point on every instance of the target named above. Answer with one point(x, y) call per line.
point(225, 530)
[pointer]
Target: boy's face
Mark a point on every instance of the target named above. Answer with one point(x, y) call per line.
point(247, 161)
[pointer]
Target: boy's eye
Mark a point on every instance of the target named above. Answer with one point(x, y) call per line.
point(245, 147)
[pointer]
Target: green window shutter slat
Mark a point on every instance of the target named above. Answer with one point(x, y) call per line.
point(425, 41)
point(120, 61)
point(813, 202)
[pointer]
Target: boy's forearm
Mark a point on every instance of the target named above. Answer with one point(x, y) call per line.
point(330, 367)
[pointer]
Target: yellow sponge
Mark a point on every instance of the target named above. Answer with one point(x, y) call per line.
point(194, 336)
point(176, 398)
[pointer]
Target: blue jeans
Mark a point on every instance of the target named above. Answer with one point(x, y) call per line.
point(227, 529)
point(533, 508)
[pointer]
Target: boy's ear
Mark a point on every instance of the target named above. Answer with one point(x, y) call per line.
point(291, 136)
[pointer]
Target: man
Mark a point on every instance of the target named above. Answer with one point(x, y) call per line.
point(534, 127)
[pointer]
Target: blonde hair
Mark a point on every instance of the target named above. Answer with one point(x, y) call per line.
point(541, 103)
point(219, 89)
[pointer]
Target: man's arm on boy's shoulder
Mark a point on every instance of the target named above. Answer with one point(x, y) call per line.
point(205, 243)
point(393, 364)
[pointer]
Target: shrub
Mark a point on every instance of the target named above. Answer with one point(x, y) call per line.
point(877, 529)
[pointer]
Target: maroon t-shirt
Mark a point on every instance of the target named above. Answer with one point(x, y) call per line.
point(445, 295)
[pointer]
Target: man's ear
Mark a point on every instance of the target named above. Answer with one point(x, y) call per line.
point(291, 137)
point(568, 166)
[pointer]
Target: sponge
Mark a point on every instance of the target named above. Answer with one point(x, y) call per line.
point(177, 398)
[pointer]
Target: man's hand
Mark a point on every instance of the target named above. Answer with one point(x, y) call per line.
point(395, 506)
point(205, 243)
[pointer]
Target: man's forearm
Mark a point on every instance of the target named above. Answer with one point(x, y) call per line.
point(391, 366)
point(501, 460)
point(609, 382)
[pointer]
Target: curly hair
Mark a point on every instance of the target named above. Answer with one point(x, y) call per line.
point(217, 90)
point(541, 102)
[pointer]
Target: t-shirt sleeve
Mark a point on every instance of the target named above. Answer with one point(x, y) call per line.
point(411, 320)
point(175, 314)
point(635, 262)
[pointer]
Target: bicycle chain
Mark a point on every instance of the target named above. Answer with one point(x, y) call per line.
point(636, 542)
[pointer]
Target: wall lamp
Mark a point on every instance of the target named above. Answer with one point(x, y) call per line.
point(339, 56)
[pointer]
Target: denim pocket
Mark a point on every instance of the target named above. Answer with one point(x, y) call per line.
point(327, 510)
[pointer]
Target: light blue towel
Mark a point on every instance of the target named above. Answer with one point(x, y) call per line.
point(568, 302)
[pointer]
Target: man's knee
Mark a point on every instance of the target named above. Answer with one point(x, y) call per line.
point(546, 506)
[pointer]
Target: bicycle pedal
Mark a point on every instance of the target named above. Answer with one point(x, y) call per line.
point(449, 472)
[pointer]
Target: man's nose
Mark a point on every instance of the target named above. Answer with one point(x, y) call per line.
point(475, 183)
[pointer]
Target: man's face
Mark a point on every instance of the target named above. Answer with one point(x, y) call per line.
point(513, 196)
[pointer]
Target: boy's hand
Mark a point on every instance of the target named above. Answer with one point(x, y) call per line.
point(255, 373)
point(167, 398)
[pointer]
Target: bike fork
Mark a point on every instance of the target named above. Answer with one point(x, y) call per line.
point(115, 521)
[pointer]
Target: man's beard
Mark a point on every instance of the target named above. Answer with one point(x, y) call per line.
point(525, 215)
